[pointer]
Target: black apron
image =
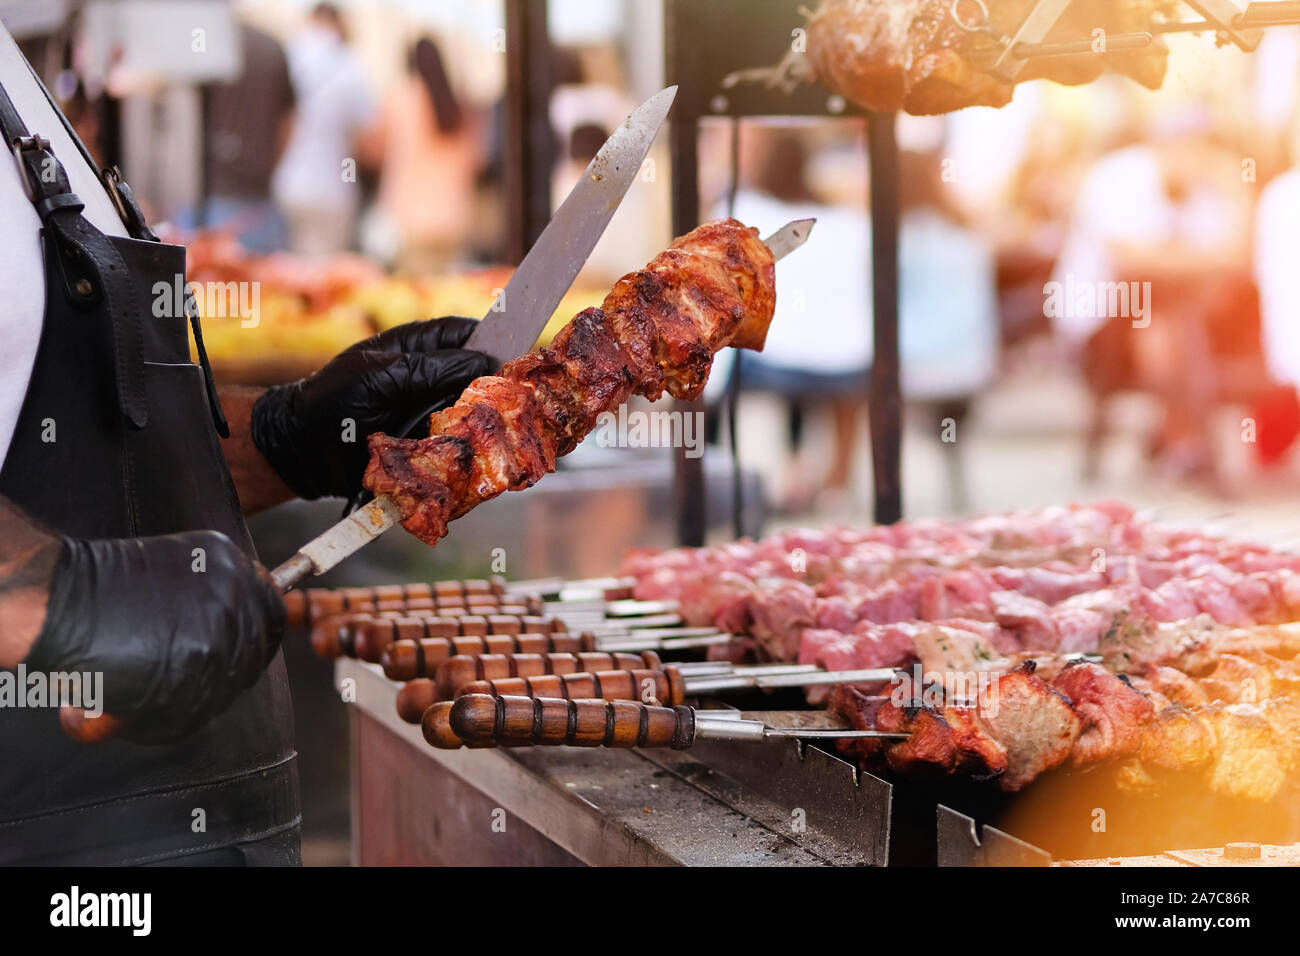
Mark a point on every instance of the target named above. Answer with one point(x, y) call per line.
point(134, 452)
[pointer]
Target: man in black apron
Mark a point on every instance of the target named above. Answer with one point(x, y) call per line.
point(123, 549)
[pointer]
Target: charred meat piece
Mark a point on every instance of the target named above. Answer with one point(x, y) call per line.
point(1033, 721)
point(1113, 713)
point(425, 478)
point(942, 740)
point(1178, 687)
point(862, 711)
point(950, 740)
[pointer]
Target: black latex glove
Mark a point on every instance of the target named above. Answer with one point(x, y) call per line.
point(383, 384)
point(176, 645)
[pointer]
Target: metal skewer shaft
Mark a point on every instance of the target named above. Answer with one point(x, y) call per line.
point(667, 685)
point(1114, 44)
point(813, 677)
point(648, 642)
point(1269, 14)
point(710, 728)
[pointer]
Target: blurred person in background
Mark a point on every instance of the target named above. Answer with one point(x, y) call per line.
point(818, 349)
point(820, 346)
point(316, 181)
point(1277, 239)
point(588, 104)
point(947, 306)
point(1170, 215)
point(246, 124)
point(429, 154)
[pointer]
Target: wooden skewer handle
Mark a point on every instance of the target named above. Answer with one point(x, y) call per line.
point(407, 659)
point(436, 725)
point(305, 605)
point(663, 687)
point(455, 672)
point(417, 695)
point(525, 721)
point(368, 630)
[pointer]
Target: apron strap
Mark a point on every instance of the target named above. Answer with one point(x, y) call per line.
point(79, 245)
point(89, 267)
point(119, 193)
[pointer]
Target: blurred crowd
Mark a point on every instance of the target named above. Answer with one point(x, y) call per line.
point(1149, 237)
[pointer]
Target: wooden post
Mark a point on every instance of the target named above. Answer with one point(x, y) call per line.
point(529, 139)
point(690, 503)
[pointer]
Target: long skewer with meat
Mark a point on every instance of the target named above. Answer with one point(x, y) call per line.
point(1245, 744)
point(657, 330)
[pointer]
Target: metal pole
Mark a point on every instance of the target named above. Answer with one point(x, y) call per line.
point(732, 400)
point(886, 403)
point(689, 489)
point(529, 141)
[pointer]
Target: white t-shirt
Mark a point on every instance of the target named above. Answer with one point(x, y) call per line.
point(333, 108)
point(948, 333)
point(22, 266)
point(822, 322)
point(1123, 200)
point(1277, 242)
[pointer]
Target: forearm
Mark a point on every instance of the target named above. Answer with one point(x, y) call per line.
point(28, 555)
point(256, 482)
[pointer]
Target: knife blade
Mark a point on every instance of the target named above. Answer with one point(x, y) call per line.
point(511, 327)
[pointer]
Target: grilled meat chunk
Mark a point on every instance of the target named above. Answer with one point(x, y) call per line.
point(1113, 713)
point(1250, 760)
point(1034, 722)
point(1176, 738)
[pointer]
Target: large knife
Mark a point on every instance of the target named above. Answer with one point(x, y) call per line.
point(511, 326)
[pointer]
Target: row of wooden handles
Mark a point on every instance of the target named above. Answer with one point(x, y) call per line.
point(366, 635)
point(310, 604)
point(483, 720)
point(407, 659)
point(615, 676)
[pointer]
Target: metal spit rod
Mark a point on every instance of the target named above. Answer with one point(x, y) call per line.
point(712, 728)
point(814, 677)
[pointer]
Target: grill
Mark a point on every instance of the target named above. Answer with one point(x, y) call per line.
point(772, 802)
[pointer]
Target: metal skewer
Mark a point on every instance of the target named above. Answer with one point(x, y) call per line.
point(369, 522)
point(812, 676)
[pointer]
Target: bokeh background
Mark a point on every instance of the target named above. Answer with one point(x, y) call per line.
point(349, 159)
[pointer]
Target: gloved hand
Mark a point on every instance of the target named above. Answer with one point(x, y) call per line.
point(176, 644)
point(383, 384)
